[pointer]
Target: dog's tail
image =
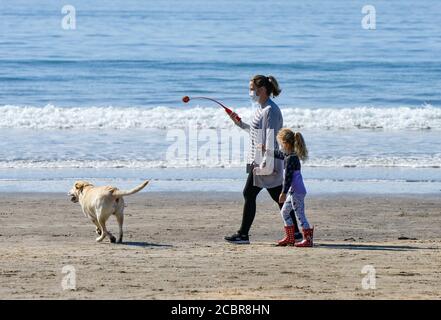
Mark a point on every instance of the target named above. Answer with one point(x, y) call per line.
point(121, 193)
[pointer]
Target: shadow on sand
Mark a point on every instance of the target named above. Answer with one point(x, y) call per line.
point(368, 247)
point(146, 244)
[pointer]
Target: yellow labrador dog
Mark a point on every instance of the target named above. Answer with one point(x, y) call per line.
point(99, 203)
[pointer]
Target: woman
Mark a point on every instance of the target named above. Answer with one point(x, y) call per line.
point(264, 171)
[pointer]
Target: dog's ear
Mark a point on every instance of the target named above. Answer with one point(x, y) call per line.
point(79, 185)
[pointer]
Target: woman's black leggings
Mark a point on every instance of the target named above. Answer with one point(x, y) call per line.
point(250, 193)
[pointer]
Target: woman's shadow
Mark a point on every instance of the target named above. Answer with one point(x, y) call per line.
point(145, 244)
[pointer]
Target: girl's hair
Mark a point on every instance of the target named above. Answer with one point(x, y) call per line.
point(270, 83)
point(295, 141)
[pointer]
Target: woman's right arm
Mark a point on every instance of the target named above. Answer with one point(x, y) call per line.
point(241, 124)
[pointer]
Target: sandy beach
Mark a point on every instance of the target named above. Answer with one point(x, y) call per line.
point(174, 249)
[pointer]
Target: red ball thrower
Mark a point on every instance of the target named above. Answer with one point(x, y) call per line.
point(187, 99)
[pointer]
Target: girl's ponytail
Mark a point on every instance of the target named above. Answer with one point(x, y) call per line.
point(300, 146)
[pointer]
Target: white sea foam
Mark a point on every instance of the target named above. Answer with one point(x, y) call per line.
point(336, 162)
point(52, 117)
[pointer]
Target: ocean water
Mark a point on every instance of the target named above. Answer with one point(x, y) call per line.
point(103, 101)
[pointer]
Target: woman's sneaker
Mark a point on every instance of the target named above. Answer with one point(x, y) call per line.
point(238, 238)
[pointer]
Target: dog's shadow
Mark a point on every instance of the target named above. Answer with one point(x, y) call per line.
point(145, 244)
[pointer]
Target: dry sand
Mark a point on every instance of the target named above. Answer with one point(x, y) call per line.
point(174, 249)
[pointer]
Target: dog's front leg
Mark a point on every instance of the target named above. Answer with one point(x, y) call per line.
point(97, 227)
point(104, 232)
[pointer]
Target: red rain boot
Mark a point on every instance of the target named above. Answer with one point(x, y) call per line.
point(308, 235)
point(289, 239)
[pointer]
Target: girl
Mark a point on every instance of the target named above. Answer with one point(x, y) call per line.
point(293, 192)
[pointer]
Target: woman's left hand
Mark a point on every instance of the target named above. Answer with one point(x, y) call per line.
point(282, 198)
point(261, 147)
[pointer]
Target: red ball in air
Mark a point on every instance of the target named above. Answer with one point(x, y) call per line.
point(186, 99)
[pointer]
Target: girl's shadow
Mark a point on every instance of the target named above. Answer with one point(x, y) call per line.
point(368, 247)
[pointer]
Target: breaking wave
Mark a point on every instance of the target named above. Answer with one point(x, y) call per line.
point(64, 118)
